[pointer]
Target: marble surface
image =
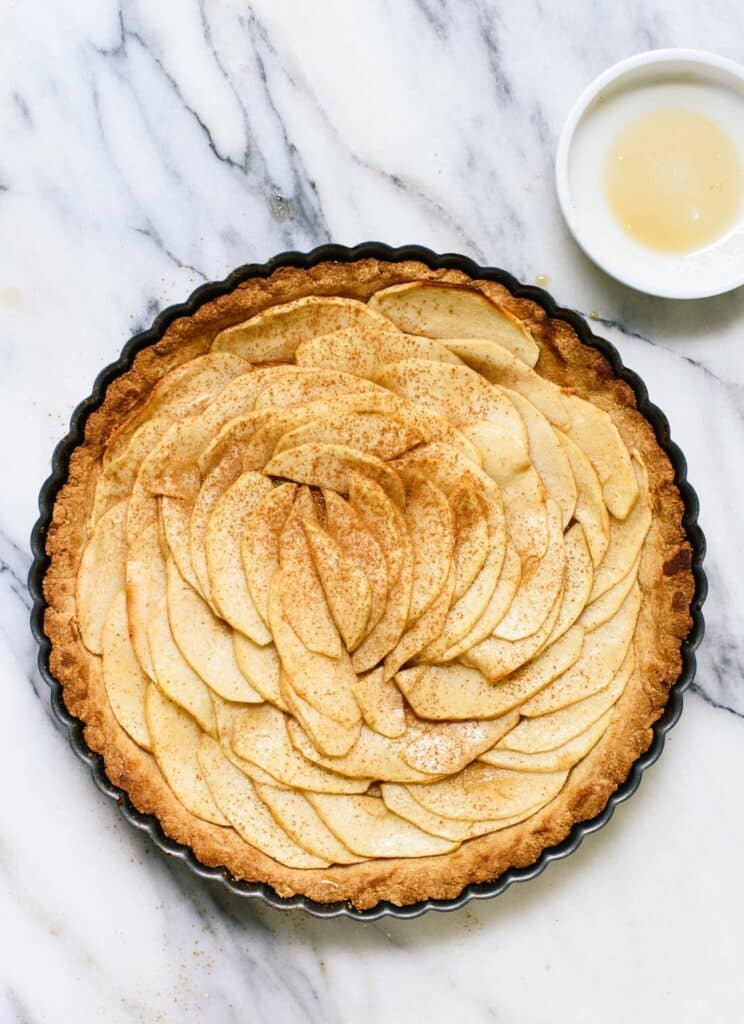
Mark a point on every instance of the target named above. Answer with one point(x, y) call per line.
point(147, 147)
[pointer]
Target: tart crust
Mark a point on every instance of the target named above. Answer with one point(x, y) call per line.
point(665, 577)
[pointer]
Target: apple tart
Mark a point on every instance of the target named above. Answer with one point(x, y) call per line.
point(369, 581)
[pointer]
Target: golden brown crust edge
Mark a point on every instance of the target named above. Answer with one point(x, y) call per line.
point(665, 577)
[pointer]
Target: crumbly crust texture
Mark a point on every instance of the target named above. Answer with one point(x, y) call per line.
point(665, 577)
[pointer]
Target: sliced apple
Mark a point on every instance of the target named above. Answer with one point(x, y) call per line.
point(579, 578)
point(122, 458)
point(455, 393)
point(214, 486)
point(456, 692)
point(604, 607)
point(248, 440)
point(503, 448)
point(260, 735)
point(175, 743)
point(145, 590)
point(449, 469)
point(326, 684)
point(110, 493)
point(434, 428)
point(432, 531)
point(175, 517)
point(294, 813)
point(306, 385)
point(548, 457)
point(260, 548)
point(260, 666)
point(328, 736)
point(465, 613)
point(142, 510)
point(626, 538)
point(387, 525)
point(345, 585)
point(557, 728)
point(172, 467)
point(471, 537)
point(594, 432)
point(255, 774)
point(382, 436)
point(236, 797)
point(591, 510)
point(330, 465)
point(350, 349)
point(275, 334)
point(602, 654)
point(123, 678)
point(498, 658)
point(372, 756)
point(383, 519)
point(480, 791)
point(382, 402)
point(423, 632)
point(378, 644)
point(173, 674)
point(498, 604)
point(361, 350)
point(181, 392)
point(366, 827)
point(442, 748)
point(558, 759)
point(241, 431)
point(551, 662)
point(381, 703)
point(205, 641)
point(440, 310)
point(101, 575)
point(226, 714)
point(117, 477)
point(399, 801)
point(224, 534)
point(357, 543)
point(500, 366)
point(521, 488)
point(541, 584)
point(200, 380)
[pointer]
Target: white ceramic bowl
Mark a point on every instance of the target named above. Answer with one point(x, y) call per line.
point(709, 271)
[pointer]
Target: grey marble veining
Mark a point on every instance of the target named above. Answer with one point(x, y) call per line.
point(149, 147)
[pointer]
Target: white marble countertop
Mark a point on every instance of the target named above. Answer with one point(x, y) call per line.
point(147, 147)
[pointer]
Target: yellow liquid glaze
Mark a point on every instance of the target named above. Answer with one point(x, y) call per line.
point(673, 180)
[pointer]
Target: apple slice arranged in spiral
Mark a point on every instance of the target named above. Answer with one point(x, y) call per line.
point(500, 366)
point(175, 743)
point(399, 801)
point(557, 759)
point(101, 576)
point(441, 310)
point(260, 735)
point(481, 791)
point(205, 641)
point(365, 826)
point(274, 335)
point(236, 797)
point(361, 350)
point(174, 676)
point(123, 678)
point(295, 814)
